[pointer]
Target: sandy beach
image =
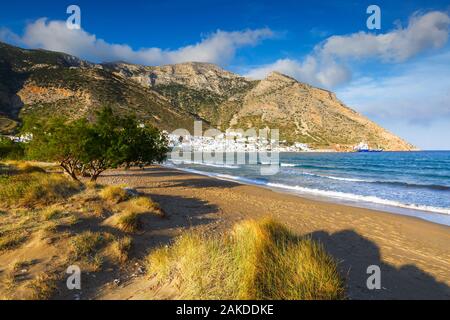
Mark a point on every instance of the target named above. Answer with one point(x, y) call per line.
point(413, 255)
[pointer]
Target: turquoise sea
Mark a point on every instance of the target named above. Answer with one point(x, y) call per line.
point(410, 183)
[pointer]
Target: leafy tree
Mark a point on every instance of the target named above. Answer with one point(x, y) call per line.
point(87, 148)
point(56, 140)
point(144, 144)
point(115, 141)
point(105, 146)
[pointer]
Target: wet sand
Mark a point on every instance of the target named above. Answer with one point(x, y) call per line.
point(413, 255)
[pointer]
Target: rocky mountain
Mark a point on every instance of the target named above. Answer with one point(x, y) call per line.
point(43, 83)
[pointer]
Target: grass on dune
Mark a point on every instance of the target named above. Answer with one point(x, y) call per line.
point(86, 244)
point(143, 205)
point(51, 213)
point(121, 249)
point(27, 185)
point(23, 167)
point(86, 247)
point(40, 208)
point(42, 287)
point(11, 240)
point(259, 260)
point(130, 222)
point(134, 211)
point(114, 194)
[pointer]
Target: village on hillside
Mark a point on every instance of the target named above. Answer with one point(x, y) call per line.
point(233, 142)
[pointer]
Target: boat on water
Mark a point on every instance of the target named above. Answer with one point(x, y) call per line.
point(364, 147)
point(371, 150)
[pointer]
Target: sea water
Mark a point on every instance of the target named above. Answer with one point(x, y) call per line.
point(410, 183)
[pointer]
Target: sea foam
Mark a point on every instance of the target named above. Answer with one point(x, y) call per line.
point(322, 193)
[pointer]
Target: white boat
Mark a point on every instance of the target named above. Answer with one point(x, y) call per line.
point(364, 147)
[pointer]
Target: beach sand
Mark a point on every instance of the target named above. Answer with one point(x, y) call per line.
point(413, 255)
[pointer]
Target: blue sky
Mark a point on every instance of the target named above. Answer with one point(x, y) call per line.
point(398, 76)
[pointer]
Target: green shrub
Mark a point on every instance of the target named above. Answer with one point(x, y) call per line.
point(90, 148)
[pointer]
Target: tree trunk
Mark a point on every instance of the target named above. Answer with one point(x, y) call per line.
point(95, 175)
point(74, 177)
point(70, 171)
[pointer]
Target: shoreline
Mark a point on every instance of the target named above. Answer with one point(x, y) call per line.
point(412, 254)
point(323, 196)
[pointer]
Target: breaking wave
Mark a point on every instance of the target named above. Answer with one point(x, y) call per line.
point(323, 193)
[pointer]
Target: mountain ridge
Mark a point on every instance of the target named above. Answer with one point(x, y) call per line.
point(42, 83)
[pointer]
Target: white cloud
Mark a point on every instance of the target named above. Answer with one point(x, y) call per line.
point(219, 47)
point(414, 101)
point(422, 33)
point(311, 70)
point(326, 65)
point(417, 92)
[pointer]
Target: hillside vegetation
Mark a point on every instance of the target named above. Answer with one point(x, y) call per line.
point(42, 83)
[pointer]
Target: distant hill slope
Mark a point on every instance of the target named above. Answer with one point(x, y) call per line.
point(46, 83)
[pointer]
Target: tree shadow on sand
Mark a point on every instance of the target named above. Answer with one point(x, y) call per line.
point(203, 183)
point(356, 253)
point(185, 180)
point(151, 172)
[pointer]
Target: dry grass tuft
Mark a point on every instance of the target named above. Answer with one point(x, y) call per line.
point(11, 240)
point(36, 189)
point(143, 205)
point(52, 213)
point(25, 167)
point(50, 228)
point(43, 287)
point(85, 247)
point(258, 260)
point(114, 194)
point(92, 185)
point(121, 249)
point(99, 211)
point(9, 282)
point(12, 167)
point(130, 222)
point(86, 244)
point(133, 212)
point(96, 262)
